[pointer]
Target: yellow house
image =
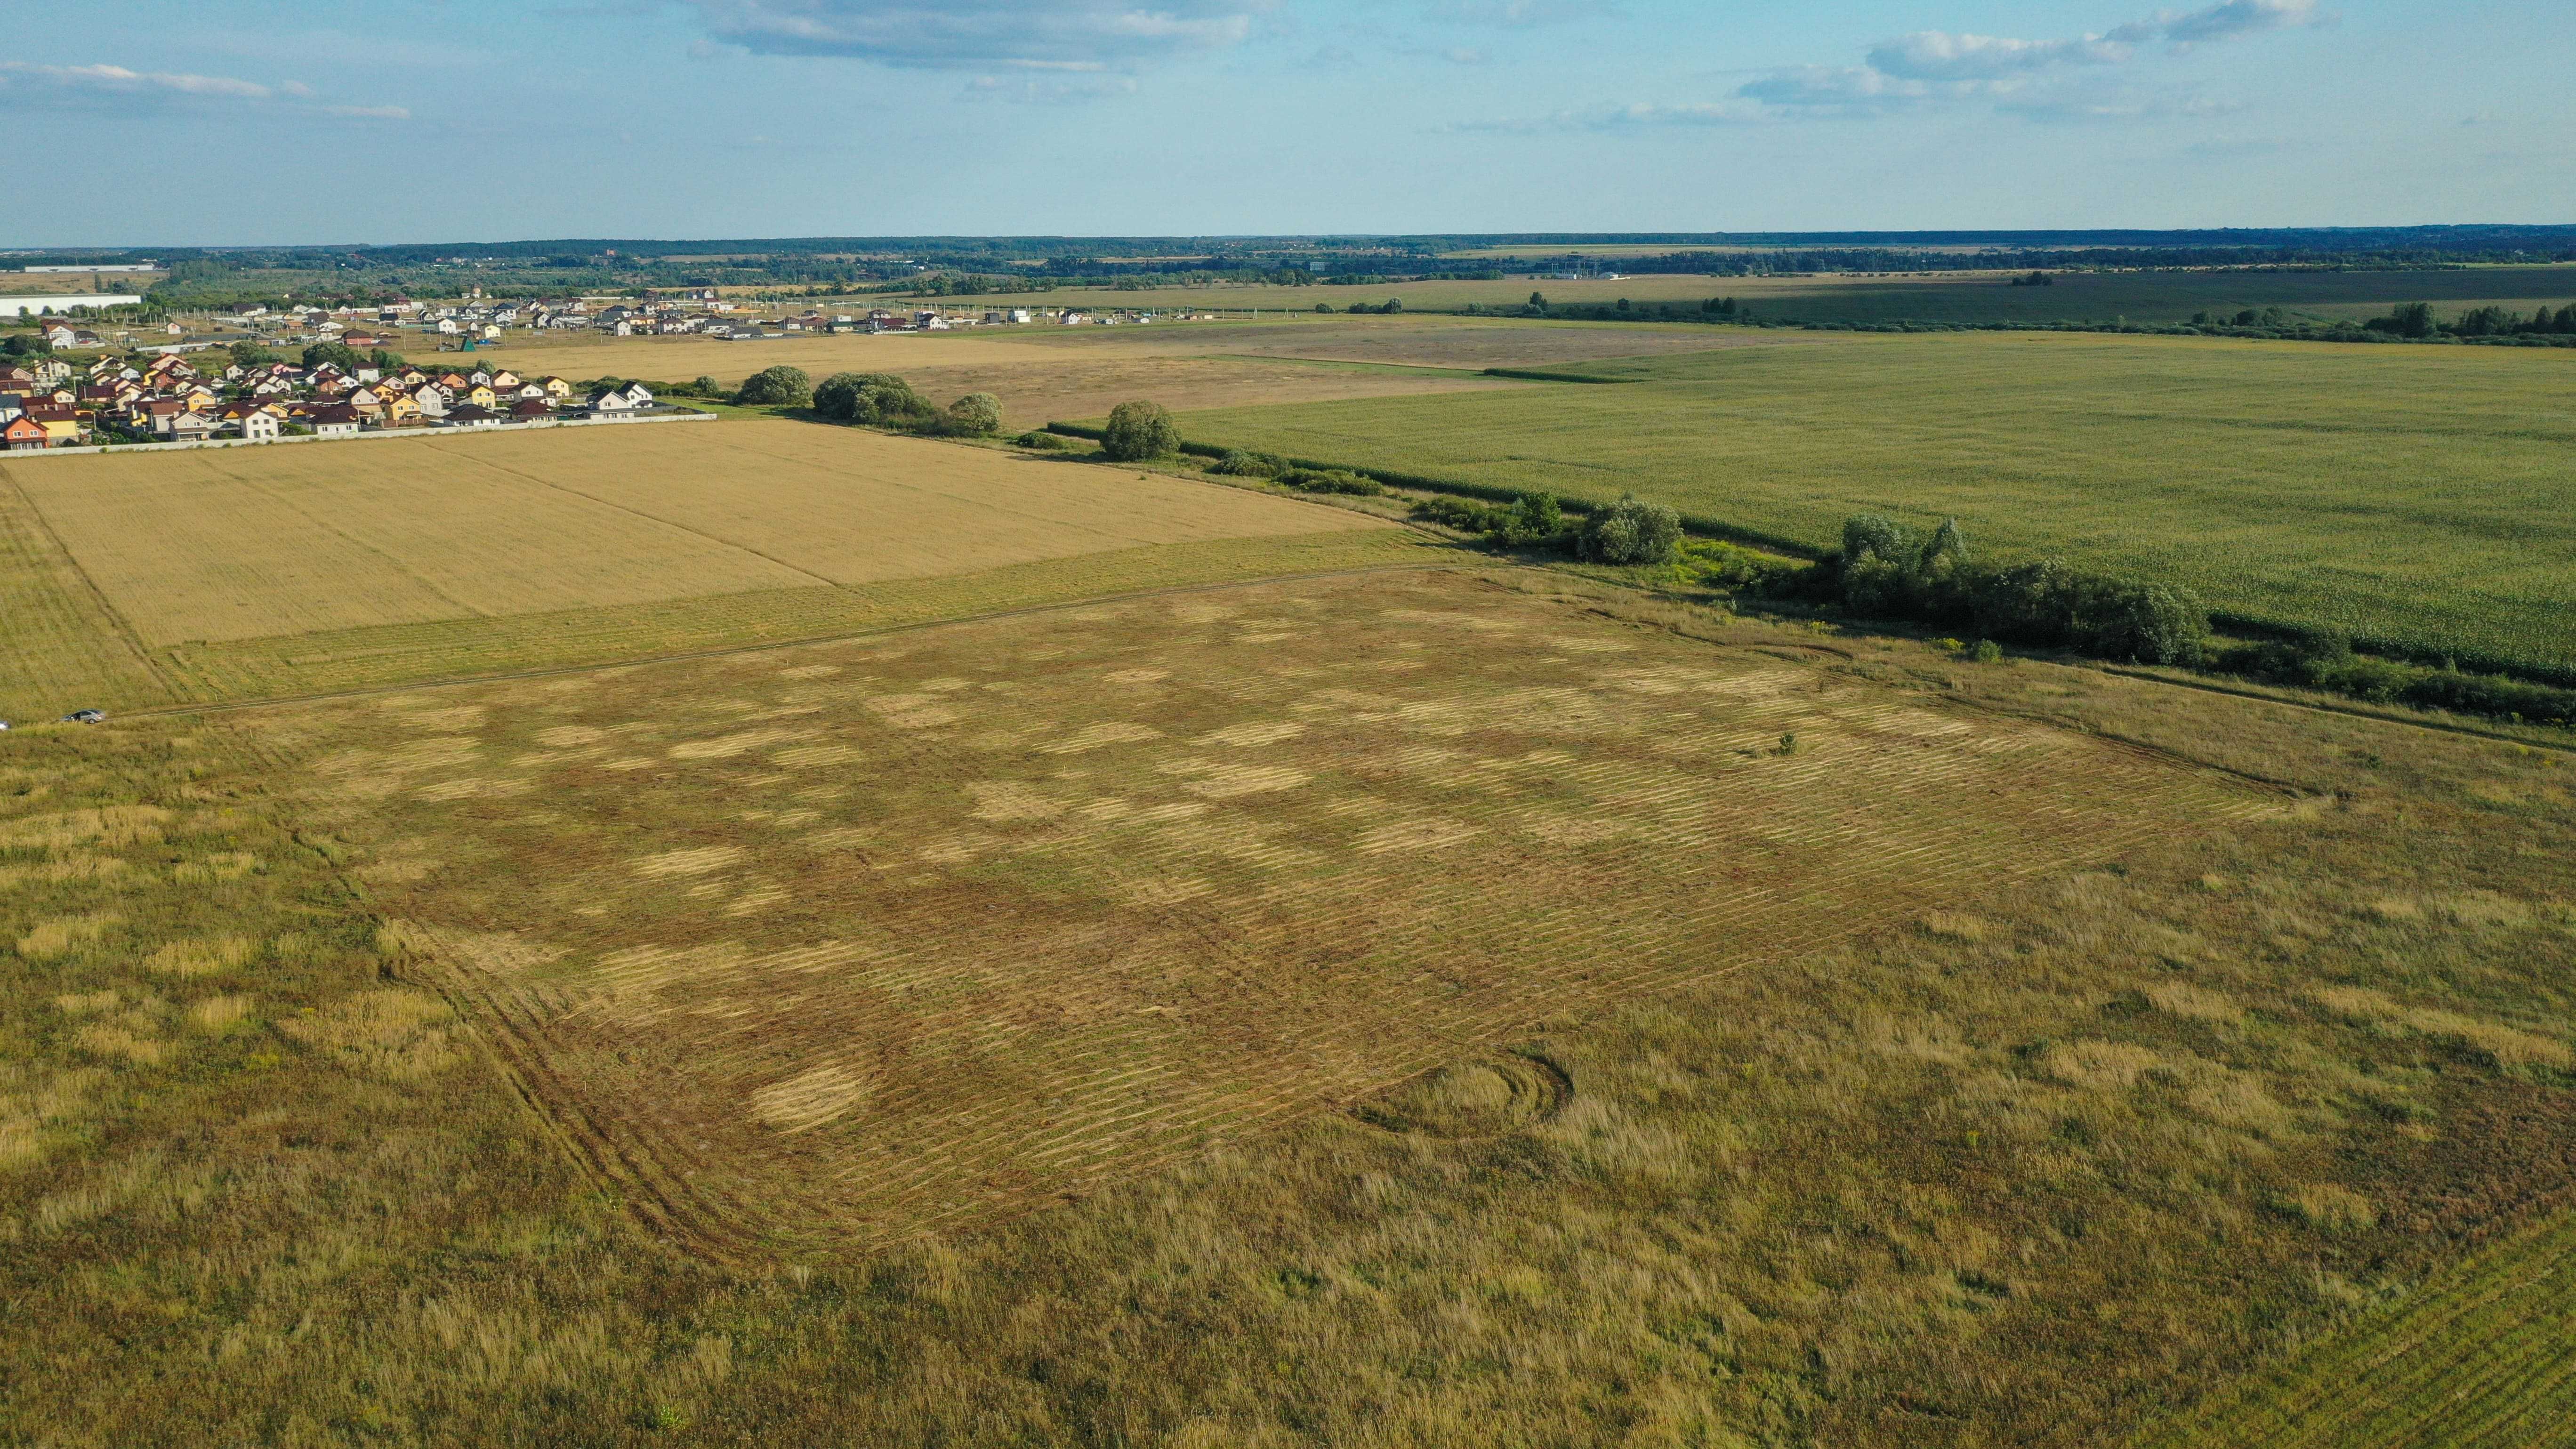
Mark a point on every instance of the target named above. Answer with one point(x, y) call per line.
point(479, 395)
point(400, 409)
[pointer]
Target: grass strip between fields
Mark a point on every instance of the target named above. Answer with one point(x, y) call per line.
point(2481, 1357)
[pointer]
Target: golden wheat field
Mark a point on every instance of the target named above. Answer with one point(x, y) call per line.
point(249, 543)
point(829, 947)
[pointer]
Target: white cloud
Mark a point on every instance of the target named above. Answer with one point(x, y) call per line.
point(2029, 78)
point(981, 33)
point(114, 88)
point(1934, 55)
point(1933, 66)
point(17, 76)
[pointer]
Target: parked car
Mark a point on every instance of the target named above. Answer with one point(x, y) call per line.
point(84, 716)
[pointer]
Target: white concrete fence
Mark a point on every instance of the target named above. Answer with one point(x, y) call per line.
point(676, 415)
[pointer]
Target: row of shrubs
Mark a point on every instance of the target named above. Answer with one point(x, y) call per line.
point(874, 399)
point(1883, 570)
point(1630, 531)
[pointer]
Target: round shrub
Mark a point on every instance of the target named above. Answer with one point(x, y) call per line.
point(1138, 431)
point(775, 387)
point(2152, 624)
point(1633, 531)
point(1040, 442)
point(977, 414)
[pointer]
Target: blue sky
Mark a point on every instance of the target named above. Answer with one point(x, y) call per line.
point(224, 122)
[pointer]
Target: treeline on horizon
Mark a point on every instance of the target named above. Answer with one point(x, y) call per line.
point(857, 258)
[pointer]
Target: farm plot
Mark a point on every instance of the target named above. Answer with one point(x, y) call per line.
point(821, 948)
point(250, 543)
point(2416, 493)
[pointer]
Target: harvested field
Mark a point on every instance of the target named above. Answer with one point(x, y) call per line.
point(62, 649)
point(818, 949)
point(241, 544)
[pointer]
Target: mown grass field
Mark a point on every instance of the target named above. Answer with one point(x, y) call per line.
point(2416, 493)
point(140, 575)
point(1031, 906)
point(2165, 296)
point(2482, 1356)
point(2043, 1157)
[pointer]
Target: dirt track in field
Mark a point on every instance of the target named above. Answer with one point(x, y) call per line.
point(817, 949)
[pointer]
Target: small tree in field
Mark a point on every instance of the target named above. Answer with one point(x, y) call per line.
point(1633, 531)
point(977, 415)
point(1139, 430)
point(775, 387)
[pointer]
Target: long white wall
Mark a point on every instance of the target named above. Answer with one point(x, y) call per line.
point(21, 306)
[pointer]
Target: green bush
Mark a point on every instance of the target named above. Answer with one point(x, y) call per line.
point(1332, 480)
point(876, 399)
point(1632, 531)
point(1240, 464)
point(1138, 431)
point(976, 415)
point(1041, 442)
point(775, 387)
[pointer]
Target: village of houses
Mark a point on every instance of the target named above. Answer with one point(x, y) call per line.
point(151, 394)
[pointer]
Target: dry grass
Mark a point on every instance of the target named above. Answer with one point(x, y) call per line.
point(1843, 1198)
point(62, 649)
point(237, 545)
point(1333, 833)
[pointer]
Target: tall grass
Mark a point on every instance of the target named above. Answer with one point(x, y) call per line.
point(2041, 1171)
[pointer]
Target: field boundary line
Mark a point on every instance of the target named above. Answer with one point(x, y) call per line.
point(769, 645)
point(126, 633)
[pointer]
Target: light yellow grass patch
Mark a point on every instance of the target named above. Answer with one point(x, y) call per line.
point(85, 869)
point(1955, 926)
point(2507, 1045)
point(809, 1099)
point(228, 865)
point(700, 861)
point(2099, 1065)
point(2184, 999)
point(396, 1034)
point(58, 937)
point(86, 1005)
point(220, 1013)
point(112, 827)
point(202, 958)
point(121, 1040)
point(2332, 1208)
